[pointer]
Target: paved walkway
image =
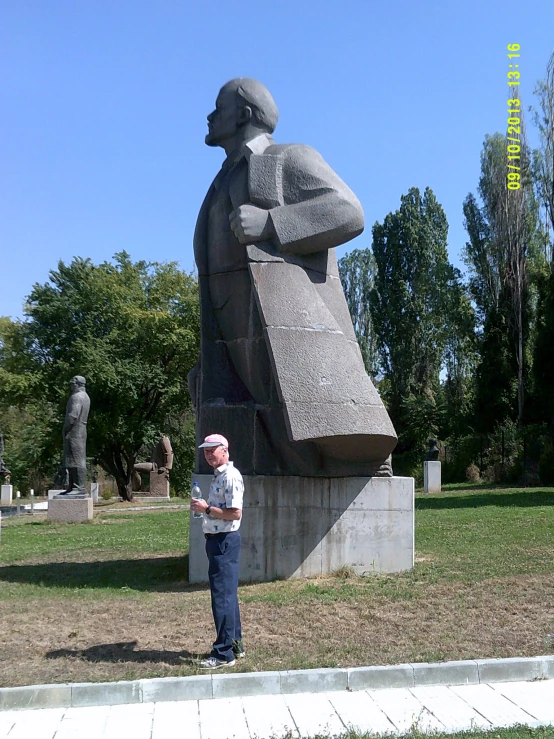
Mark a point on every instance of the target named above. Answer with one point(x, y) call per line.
point(389, 711)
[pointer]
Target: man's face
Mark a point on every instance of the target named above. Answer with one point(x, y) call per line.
point(216, 455)
point(74, 386)
point(222, 123)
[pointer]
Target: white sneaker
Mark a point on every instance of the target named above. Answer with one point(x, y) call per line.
point(213, 663)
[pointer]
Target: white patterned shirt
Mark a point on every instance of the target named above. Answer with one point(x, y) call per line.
point(226, 491)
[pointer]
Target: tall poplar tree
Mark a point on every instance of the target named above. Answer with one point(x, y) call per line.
point(416, 302)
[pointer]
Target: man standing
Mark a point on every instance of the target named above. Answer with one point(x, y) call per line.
point(222, 515)
point(75, 437)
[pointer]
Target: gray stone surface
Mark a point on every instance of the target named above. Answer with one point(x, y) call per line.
point(246, 683)
point(68, 509)
point(198, 687)
point(431, 477)
point(280, 373)
point(298, 527)
point(379, 678)
point(313, 681)
point(106, 694)
point(35, 696)
point(506, 670)
point(547, 667)
point(463, 672)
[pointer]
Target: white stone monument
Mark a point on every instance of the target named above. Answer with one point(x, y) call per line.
point(431, 477)
point(94, 486)
point(70, 508)
point(6, 495)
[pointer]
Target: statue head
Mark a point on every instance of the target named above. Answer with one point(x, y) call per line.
point(77, 383)
point(244, 108)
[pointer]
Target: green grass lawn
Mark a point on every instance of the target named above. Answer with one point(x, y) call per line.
point(109, 599)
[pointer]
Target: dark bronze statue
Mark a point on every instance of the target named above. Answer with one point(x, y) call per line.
point(433, 452)
point(159, 468)
point(5, 474)
point(280, 370)
point(75, 437)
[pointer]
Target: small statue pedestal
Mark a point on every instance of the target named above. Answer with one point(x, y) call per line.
point(94, 491)
point(70, 508)
point(6, 496)
point(304, 526)
point(431, 477)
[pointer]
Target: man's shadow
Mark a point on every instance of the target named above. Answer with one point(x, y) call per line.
point(126, 652)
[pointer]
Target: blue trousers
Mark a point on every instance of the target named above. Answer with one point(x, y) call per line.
point(223, 552)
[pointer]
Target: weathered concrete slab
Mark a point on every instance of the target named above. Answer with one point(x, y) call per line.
point(510, 669)
point(253, 683)
point(313, 681)
point(431, 477)
point(198, 687)
point(381, 677)
point(6, 494)
point(106, 694)
point(35, 696)
point(70, 510)
point(463, 672)
point(304, 526)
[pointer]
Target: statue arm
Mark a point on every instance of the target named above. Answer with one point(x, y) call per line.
point(321, 212)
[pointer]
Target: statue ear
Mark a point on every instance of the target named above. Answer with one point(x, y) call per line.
point(244, 115)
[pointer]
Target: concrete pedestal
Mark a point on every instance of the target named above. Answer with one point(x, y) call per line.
point(431, 477)
point(94, 487)
point(6, 495)
point(70, 510)
point(54, 491)
point(303, 526)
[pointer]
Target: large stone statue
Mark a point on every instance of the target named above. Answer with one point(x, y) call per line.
point(280, 370)
point(159, 468)
point(75, 437)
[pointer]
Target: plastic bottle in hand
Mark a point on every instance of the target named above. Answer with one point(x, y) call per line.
point(196, 493)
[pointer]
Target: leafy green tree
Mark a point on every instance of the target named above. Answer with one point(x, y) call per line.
point(132, 330)
point(357, 274)
point(502, 253)
point(416, 306)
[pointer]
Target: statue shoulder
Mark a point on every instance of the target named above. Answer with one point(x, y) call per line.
point(295, 151)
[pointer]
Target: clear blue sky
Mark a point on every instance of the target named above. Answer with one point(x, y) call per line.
point(104, 106)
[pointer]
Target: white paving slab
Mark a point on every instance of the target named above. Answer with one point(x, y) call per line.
point(133, 719)
point(449, 708)
point(176, 720)
point(358, 710)
point(313, 714)
point(404, 710)
point(223, 718)
point(493, 705)
point(7, 722)
point(83, 723)
point(536, 698)
point(268, 715)
point(40, 724)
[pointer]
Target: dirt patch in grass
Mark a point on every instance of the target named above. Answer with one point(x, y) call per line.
point(96, 638)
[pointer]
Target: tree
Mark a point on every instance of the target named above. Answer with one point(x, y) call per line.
point(357, 274)
point(543, 158)
point(503, 246)
point(416, 304)
point(132, 330)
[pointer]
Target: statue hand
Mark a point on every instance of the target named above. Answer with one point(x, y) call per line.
point(250, 223)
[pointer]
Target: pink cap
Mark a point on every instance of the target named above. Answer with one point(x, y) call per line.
point(215, 440)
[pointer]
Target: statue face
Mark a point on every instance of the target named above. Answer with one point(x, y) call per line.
point(223, 121)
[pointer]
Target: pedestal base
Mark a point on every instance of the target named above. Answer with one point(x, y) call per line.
point(431, 477)
point(6, 495)
point(302, 526)
point(70, 510)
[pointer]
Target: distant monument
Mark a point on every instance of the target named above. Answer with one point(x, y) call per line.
point(6, 489)
point(159, 468)
point(75, 437)
point(280, 372)
point(432, 454)
point(432, 469)
point(280, 366)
